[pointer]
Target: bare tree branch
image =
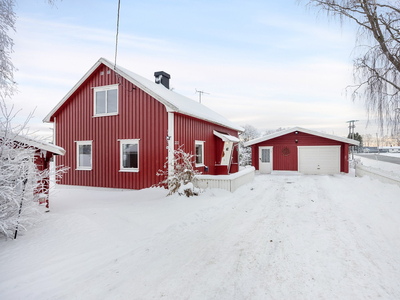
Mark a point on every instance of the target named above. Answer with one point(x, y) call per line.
point(377, 68)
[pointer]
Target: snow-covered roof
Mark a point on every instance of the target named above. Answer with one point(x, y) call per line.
point(37, 144)
point(226, 137)
point(173, 101)
point(290, 130)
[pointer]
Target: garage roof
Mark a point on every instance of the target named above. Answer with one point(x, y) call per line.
point(312, 132)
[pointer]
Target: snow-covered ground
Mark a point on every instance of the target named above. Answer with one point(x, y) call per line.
point(283, 236)
point(391, 154)
point(384, 166)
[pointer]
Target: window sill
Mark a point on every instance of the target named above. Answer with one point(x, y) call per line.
point(129, 170)
point(105, 115)
point(199, 165)
point(83, 169)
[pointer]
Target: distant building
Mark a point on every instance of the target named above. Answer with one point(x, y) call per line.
point(302, 150)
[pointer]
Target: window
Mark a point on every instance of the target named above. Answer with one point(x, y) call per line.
point(84, 155)
point(265, 155)
point(129, 155)
point(106, 100)
point(199, 153)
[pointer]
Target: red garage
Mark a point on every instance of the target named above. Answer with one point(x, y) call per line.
point(302, 150)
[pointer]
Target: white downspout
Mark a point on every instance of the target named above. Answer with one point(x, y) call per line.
point(54, 142)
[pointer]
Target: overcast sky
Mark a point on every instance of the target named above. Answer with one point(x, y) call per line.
point(266, 63)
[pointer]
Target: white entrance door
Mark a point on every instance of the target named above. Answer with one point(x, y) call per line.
point(265, 159)
point(319, 159)
point(227, 154)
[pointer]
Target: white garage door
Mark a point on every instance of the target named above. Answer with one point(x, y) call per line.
point(319, 159)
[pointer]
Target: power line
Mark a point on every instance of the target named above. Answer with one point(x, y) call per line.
point(116, 37)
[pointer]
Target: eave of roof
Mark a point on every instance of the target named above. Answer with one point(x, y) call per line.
point(38, 144)
point(173, 102)
point(290, 130)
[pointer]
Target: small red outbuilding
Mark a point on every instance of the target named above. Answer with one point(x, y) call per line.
point(302, 150)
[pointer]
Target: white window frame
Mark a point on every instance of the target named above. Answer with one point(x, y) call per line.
point(82, 143)
point(105, 88)
point(202, 153)
point(121, 155)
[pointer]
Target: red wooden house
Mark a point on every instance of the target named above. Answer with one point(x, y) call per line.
point(117, 127)
point(302, 150)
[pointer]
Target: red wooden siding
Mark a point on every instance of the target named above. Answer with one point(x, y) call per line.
point(139, 117)
point(290, 162)
point(188, 130)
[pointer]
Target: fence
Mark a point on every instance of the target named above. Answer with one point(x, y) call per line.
point(386, 177)
point(227, 182)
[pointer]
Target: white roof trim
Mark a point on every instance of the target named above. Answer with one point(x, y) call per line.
point(226, 137)
point(290, 130)
point(173, 102)
point(38, 144)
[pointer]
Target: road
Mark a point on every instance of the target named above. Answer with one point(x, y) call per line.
point(390, 159)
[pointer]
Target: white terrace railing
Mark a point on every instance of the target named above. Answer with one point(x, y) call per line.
point(227, 182)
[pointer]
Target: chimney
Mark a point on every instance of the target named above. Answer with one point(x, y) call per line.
point(163, 78)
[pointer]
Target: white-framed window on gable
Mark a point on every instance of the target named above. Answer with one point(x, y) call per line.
point(199, 153)
point(129, 155)
point(106, 100)
point(84, 155)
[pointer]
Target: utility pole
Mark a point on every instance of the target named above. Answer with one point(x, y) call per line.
point(351, 134)
point(201, 93)
point(377, 142)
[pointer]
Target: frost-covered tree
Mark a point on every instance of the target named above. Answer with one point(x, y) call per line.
point(377, 63)
point(7, 69)
point(179, 175)
point(21, 182)
point(250, 132)
point(7, 25)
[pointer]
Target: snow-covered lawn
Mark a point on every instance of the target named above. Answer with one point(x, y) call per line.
point(281, 237)
point(382, 165)
point(391, 154)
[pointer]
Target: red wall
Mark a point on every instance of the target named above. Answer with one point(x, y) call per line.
point(188, 130)
point(290, 162)
point(140, 117)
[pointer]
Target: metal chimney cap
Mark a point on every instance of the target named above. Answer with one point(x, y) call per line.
point(164, 74)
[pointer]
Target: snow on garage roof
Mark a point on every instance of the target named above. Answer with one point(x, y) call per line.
point(173, 101)
point(290, 130)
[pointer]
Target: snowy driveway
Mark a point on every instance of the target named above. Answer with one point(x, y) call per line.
point(280, 237)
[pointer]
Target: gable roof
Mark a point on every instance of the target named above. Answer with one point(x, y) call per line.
point(290, 130)
point(173, 101)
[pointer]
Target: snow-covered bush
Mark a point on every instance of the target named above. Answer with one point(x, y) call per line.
point(179, 176)
point(21, 182)
point(354, 162)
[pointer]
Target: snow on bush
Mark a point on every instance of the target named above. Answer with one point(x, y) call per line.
point(179, 176)
point(21, 182)
point(354, 162)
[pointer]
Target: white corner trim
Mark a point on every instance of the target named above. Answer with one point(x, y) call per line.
point(171, 142)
